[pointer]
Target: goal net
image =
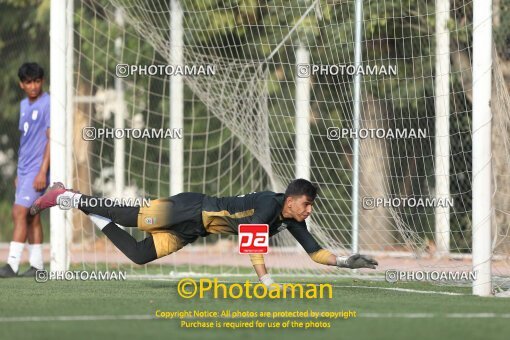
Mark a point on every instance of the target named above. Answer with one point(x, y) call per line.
point(272, 90)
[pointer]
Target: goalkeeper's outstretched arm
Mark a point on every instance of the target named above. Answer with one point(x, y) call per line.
point(353, 261)
point(321, 256)
point(324, 256)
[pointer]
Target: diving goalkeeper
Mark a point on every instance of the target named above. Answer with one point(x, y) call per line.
point(175, 221)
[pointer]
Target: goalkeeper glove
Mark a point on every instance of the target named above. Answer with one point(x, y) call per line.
point(356, 261)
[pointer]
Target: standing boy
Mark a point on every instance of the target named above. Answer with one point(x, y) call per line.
point(33, 170)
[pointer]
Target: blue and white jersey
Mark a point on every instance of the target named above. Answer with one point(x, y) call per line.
point(34, 120)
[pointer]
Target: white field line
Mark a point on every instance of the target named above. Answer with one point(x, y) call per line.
point(151, 317)
point(75, 318)
point(435, 315)
point(182, 275)
point(407, 290)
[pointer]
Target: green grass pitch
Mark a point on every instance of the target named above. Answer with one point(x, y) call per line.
point(126, 310)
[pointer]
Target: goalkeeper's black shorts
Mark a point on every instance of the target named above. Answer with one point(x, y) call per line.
point(180, 215)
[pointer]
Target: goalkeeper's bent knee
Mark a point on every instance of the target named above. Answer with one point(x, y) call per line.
point(167, 243)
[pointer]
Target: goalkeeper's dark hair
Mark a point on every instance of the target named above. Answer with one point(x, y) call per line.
point(30, 71)
point(300, 187)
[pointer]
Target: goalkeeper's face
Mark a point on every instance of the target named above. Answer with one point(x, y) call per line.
point(299, 207)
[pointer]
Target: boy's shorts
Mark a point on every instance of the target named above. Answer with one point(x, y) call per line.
point(25, 192)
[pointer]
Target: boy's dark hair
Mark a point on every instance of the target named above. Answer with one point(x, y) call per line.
point(30, 71)
point(300, 187)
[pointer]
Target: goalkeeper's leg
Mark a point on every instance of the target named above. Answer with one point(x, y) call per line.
point(58, 194)
point(123, 215)
point(186, 209)
point(140, 252)
point(157, 219)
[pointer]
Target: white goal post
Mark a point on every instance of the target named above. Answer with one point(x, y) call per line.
point(482, 151)
point(61, 116)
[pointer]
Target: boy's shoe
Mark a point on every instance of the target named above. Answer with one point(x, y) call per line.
point(7, 271)
point(30, 272)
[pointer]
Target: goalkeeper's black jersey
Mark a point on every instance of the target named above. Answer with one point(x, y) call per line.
point(224, 214)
